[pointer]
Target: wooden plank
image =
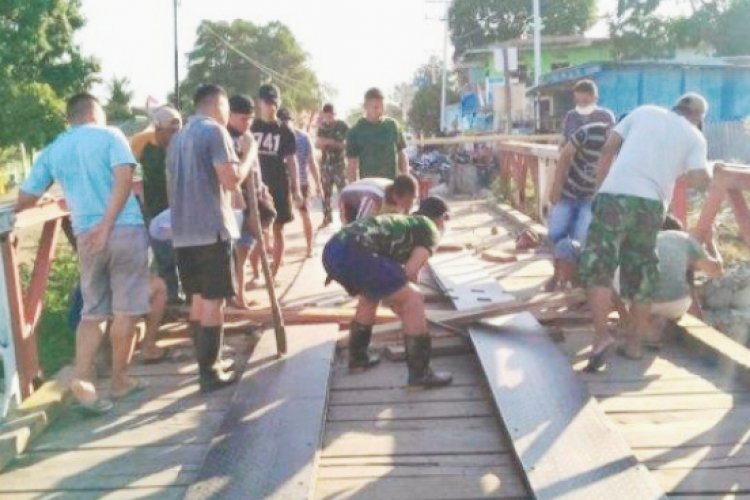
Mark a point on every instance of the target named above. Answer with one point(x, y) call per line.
point(728, 350)
point(268, 443)
point(413, 437)
point(162, 493)
point(454, 393)
point(536, 303)
point(428, 409)
point(673, 402)
point(559, 433)
point(463, 460)
point(433, 488)
point(414, 471)
point(704, 481)
point(449, 346)
point(51, 481)
point(706, 456)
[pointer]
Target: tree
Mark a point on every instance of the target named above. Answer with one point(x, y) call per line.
point(240, 56)
point(118, 108)
point(477, 23)
point(40, 65)
point(424, 115)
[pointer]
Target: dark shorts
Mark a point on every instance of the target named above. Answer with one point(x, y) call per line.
point(282, 202)
point(362, 272)
point(207, 270)
point(266, 212)
point(623, 234)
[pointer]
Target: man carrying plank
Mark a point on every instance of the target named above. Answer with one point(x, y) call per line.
point(375, 258)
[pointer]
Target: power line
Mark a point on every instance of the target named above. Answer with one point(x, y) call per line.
point(273, 74)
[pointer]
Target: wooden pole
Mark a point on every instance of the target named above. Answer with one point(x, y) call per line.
point(278, 318)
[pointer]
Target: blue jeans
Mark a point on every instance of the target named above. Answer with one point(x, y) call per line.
point(569, 219)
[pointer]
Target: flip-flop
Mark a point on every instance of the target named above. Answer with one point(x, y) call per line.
point(99, 406)
point(597, 362)
point(139, 386)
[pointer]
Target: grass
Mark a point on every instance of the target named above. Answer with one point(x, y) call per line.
point(55, 338)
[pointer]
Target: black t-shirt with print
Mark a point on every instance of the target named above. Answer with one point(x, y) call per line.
point(275, 142)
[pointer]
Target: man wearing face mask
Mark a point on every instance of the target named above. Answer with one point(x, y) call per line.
point(639, 165)
point(585, 95)
point(378, 259)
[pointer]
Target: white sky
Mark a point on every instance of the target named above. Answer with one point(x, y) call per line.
point(353, 44)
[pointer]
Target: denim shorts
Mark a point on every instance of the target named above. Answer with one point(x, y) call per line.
point(362, 272)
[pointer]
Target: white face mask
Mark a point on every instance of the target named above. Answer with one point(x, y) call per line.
point(586, 110)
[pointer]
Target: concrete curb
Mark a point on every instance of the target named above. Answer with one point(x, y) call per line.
point(28, 421)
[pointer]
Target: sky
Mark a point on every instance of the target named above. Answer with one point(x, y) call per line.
point(353, 44)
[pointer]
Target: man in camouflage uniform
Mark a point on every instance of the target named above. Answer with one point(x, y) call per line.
point(331, 139)
point(653, 146)
point(377, 259)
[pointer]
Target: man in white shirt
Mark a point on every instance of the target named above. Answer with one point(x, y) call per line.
point(654, 146)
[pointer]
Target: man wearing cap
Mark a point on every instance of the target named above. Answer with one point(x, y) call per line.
point(379, 259)
point(308, 167)
point(585, 95)
point(653, 147)
point(203, 175)
point(150, 151)
point(331, 140)
point(375, 145)
point(241, 113)
point(277, 150)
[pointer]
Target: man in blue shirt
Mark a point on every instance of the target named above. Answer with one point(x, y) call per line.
point(94, 166)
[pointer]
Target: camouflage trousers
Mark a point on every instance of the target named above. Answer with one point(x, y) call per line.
point(332, 174)
point(623, 234)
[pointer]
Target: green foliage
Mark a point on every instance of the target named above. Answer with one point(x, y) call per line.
point(31, 113)
point(477, 23)
point(273, 45)
point(55, 339)
point(118, 108)
point(424, 115)
point(638, 32)
point(39, 61)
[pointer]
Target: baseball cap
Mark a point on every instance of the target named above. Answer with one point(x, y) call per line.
point(241, 104)
point(284, 114)
point(269, 93)
point(166, 117)
point(693, 103)
point(433, 207)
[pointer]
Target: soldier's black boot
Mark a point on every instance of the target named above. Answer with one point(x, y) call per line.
point(207, 347)
point(418, 348)
point(360, 356)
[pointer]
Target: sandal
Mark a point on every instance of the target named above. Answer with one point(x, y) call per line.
point(598, 361)
point(138, 386)
point(95, 408)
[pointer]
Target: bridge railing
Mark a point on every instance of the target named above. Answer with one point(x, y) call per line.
point(20, 310)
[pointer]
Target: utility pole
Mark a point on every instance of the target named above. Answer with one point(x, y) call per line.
point(537, 57)
point(176, 60)
point(443, 90)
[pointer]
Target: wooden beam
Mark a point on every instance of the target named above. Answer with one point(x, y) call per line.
point(469, 139)
point(42, 265)
point(305, 315)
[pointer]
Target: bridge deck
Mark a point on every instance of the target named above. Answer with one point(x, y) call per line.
point(685, 419)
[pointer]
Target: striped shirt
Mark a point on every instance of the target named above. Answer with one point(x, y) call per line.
point(588, 141)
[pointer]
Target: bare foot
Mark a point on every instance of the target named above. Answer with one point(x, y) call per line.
point(84, 391)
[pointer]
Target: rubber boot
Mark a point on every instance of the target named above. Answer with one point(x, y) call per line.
point(225, 363)
point(418, 349)
point(360, 356)
point(207, 347)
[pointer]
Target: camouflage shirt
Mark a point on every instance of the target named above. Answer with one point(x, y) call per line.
point(393, 236)
point(336, 131)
